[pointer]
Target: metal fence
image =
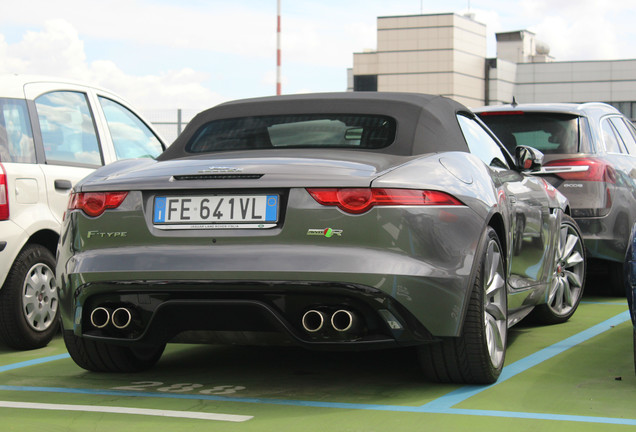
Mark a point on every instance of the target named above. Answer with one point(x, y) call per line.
point(169, 122)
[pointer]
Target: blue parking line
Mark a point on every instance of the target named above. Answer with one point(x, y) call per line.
point(541, 416)
point(455, 397)
point(441, 405)
point(334, 405)
point(608, 303)
point(33, 362)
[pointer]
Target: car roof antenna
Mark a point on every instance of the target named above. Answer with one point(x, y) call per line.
point(514, 102)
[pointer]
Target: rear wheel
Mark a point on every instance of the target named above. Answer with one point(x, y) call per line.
point(99, 356)
point(477, 356)
point(29, 301)
point(566, 288)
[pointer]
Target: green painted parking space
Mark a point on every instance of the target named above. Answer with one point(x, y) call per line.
point(575, 376)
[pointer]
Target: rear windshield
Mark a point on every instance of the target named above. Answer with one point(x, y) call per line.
point(16, 138)
point(548, 132)
point(296, 130)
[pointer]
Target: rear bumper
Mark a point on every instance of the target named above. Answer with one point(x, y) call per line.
point(13, 238)
point(246, 312)
point(419, 261)
point(426, 296)
point(604, 238)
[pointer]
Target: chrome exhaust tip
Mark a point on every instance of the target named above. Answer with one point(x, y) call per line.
point(313, 320)
point(121, 318)
point(100, 317)
point(343, 320)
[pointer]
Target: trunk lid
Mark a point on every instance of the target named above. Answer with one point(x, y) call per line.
point(253, 169)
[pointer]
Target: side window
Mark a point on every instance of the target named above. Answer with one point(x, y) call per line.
point(68, 130)
point(626, 137)
point(612, 145)
point(131, 137)
point(585, 137)
point(481, 144)
point(16, 136)
point(631, 128)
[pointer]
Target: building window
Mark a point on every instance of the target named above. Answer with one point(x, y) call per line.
point(365, 83)
point(628, 109)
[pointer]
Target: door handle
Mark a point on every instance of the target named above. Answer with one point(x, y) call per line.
point(63, 185)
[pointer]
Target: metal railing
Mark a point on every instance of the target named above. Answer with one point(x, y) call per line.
point(169, 122)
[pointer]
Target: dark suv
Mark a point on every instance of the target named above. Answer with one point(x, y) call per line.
point(593, 148)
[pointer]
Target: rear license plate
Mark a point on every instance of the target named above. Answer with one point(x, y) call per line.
point(216, 211)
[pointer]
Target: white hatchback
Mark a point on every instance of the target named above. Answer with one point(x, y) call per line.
point(52, 134)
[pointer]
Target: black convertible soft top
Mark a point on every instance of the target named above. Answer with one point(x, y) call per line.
point(425, 123)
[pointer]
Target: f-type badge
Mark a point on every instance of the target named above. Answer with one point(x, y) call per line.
point(325, 232)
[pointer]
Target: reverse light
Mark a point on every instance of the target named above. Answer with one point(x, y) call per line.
point(597, 170)
point(96, 203)
point(4, 195)
point(360, 200)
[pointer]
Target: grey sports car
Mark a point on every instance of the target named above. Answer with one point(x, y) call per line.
point(331, 221)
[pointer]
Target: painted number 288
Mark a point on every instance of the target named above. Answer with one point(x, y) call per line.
point(180, 388)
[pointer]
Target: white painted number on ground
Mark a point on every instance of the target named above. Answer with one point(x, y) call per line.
point(180, 388)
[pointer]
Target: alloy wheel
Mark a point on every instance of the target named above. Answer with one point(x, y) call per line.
point(495, 304)
point(39, 301)
point(567, 284)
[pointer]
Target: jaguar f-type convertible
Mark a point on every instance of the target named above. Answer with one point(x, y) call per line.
point(332, 221)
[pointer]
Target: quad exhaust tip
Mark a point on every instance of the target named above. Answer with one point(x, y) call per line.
point(100, 317)
point(120, 318)
point(341, 320)
point(313, 320)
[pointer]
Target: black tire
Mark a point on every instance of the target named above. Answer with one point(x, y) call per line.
point(616, 277)
point(477, 356)
point(99, 356)
point(566, 289)
point(29, 311)
point(635, 351)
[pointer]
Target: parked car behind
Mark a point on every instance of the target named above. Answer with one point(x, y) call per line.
point(52, 133)
point(597, 144)
point(331, 221)
point(630, 283)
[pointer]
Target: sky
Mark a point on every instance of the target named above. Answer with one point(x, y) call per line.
point(194, 54)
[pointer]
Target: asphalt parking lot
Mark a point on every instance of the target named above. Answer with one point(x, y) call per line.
point(574, 376)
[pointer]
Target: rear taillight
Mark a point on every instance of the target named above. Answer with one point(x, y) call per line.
point(585, 169)
point(96, 203)
point(359, 200)
point(4, 195)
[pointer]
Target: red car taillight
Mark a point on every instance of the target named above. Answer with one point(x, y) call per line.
point(597, 170)
point(4, 195)
point(359, 200)
point(96, 203)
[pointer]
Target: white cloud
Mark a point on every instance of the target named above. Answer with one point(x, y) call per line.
point(235, 42)
point(54, 51)
point(581, 29)
point(57, 50)
point(226, 27)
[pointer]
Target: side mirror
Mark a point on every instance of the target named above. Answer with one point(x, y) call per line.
point(528, 158)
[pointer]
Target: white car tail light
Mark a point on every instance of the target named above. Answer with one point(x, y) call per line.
point(4, 195)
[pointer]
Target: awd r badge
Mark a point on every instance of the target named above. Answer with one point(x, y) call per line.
point(325, 232)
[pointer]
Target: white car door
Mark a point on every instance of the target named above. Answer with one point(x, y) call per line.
point(70, 142)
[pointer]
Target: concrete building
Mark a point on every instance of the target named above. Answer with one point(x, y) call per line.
point(446, 54)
